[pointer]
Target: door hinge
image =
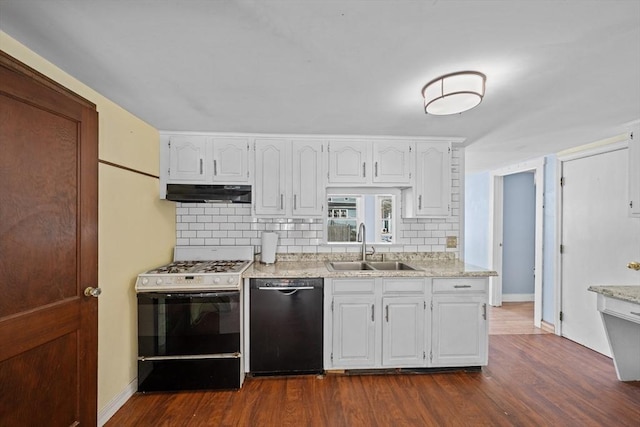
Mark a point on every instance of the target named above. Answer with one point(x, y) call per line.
point(561, 316)
point(169, 172)
point(562, 181)
point(425, 305)
point(431, 305)
point(331, 356)
point(449, 150)
point(448, 208)
point(331, 305)
point(561, 249)
point(631, 204)
point(424, 355)
point(431, 355)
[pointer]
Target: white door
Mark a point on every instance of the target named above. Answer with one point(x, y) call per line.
point(353, 332)
point(599, 239)
point(403, 331)
point(307, 183)
point(270, 185)
point(230, 160)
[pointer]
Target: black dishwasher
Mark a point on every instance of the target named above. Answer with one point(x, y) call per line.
point(285, 326)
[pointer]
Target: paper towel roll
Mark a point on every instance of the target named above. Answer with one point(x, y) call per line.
point(269, 244)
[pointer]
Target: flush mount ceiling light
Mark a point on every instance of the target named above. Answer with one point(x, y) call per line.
point(453, 93)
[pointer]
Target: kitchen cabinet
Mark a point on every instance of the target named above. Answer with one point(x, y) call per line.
point(431, 193)
point(288, 177)
point(205, 159)
point(634, 171)
point(230, 160)
point(376, 323)
point(187, 159)
point(403, 331)
point(360, 162)
point(459, 323)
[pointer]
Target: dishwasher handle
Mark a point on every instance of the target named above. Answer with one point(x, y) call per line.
point(284, 288)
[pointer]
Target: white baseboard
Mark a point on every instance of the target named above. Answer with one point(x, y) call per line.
point(518, 297)
point(117, 402)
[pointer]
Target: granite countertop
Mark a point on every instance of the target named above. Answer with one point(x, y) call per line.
point(624, 293)
point(316, 268)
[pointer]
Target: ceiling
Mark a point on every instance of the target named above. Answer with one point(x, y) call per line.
point(559, 73)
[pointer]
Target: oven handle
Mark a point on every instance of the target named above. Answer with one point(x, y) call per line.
point(172, 295)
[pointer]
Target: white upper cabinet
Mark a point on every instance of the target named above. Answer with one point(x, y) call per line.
point(307, 177)
point(392, 162)
point(348, 162)
point(289, 177)
point(270, 176)
point(634, 172)
point(205, 159)
point(360, 162)
point(431, 195)
point(187, 159)
point(230, 160)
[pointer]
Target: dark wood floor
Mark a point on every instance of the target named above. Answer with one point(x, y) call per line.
point(531, 380)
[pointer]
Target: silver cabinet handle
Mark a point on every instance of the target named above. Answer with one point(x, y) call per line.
point(281, 201)
point(419, 202)
point(386, 314)
point(376, 169)
point(201, 166)
point(461, 286)
point(215, 168)
point(92, 292)
point(372, 313)
point(295, 202)
point(285, 288)
point(364, 170)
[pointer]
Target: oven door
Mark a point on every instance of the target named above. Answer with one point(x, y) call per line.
point(188, 324)
point(189, 341)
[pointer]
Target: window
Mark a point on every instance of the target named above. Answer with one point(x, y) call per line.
point(347, 210)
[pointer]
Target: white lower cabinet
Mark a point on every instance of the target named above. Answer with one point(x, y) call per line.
point(459, 323)
point(405, 322)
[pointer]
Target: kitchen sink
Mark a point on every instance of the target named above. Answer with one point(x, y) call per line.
point(349, 266)
point(372, 266)
point(390, 265)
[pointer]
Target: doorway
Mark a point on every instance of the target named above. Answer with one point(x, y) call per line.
point(496, 232)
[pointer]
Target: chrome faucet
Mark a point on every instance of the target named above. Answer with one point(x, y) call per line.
point(362, 237)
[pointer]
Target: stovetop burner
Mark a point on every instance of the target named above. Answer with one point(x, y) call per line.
point(200, 267)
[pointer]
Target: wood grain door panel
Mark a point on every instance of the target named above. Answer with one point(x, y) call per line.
point(48, 247)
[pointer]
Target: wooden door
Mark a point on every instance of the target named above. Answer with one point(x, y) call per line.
point(187, 159)
point(391, 162)
point(270, 176)
point(599, 238)
point(306, 180)
point(433, 179)
point(48, 251)
point(348, 162)
point(354, 331)
point(230, 160)
point(403, 331)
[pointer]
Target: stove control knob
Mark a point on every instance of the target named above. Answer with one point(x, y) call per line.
point(145, 281)
point(216, 280)
point(230, 280)
point(159, 282)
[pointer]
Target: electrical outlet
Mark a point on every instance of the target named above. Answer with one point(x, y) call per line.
point(452, 242)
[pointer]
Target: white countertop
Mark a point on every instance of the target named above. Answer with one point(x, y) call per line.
point(625, 293)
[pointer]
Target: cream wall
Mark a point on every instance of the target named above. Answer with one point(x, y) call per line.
point(136, 228)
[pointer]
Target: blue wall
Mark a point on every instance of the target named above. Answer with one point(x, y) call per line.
point(476, 219)
point(519, 240)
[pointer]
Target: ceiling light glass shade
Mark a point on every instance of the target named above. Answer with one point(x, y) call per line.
point(453, 93)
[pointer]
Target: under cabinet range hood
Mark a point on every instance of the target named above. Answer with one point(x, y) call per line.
point(194, 193)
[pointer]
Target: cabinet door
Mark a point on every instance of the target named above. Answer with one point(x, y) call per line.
point(459, 331)
point(403, 331)
point(353, 332)
point(187, 155)
point(634, 172)
point(391, 162)
point(230, 160)
point(348, 162)
point(433, 178)
point(307, 183)
point(270, 190)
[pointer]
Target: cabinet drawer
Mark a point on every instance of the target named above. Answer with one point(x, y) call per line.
point(403, 286)
point(353, 286)
point(459, 285)
point(619, 308)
